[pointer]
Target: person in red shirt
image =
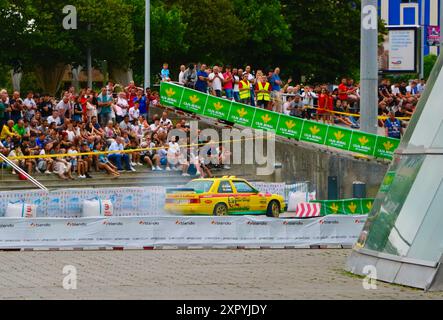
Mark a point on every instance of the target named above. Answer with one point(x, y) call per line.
point(343, 90)
point(322, 105)
point(228, 83)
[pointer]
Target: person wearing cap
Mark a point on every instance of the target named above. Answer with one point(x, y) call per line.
point(263, 92)
point(244, 88)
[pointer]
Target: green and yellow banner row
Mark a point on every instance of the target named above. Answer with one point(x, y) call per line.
point(346, 206)
point(290, 127)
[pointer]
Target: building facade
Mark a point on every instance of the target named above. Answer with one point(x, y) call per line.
point(411, 12)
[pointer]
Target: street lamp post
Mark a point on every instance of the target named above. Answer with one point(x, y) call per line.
point(89, 63)
point(147, 76)
point(422, 40)
point(369, 66)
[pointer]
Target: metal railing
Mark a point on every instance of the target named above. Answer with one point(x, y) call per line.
point(23, 172)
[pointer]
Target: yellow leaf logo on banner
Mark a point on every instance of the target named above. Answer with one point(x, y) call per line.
point(266, 118)
point(388, 145)
point(314, 130)
point(218, 106)
point(290, 124)
point(369, 205)
point(170, 92)
point(339, 135)
point(388, 180)
point(363, 141)
point(194, 99)
point(352, 207)
point(334, 208)
point(242, 112)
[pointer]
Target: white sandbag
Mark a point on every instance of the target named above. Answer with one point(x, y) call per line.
point(294, 199)
point(97, 208)
point(21, 210)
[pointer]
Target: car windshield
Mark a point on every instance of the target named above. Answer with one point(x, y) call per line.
point(199, 186)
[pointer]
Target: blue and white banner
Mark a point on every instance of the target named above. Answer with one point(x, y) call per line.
point(137, 232)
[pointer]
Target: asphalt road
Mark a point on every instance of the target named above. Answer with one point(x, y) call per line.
point(189, 274)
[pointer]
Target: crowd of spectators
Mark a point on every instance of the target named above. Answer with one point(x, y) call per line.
point(330, 103)
point(115, 119)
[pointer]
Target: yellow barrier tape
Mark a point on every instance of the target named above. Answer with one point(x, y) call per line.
point(355, 114)
point(61, 155)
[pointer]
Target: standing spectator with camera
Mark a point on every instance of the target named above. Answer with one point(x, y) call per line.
point(190, 76)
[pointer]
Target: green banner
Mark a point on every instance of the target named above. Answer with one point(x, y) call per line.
point(345, 206)
point(194, 101)
point(265, 120)
point(241, 114)
point(286, 126)
point(385, 147)
point(217, 108)
point(171, 95)
point(366, 205)
point(290, 127)
point(338, 138)
point(387, 181)
point(363, 143)
point(314, 132)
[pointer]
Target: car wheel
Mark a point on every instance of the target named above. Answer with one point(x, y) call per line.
point(273, 209)
point(220, 209)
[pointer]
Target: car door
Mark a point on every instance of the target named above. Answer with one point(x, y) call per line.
point(225, 192)
point(250, 196)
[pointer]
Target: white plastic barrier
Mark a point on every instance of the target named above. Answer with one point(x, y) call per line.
point(133, 201)
point(21, 209)
point(130, 232)
point(97, 208)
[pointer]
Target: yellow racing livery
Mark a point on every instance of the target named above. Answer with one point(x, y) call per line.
point(222, 196)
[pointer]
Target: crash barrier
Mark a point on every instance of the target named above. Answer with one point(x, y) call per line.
point(290, 127)
point(129, 201)
point(140, 232)
point(345, 206)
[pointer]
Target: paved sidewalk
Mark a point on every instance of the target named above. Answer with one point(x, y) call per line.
point(190, 274)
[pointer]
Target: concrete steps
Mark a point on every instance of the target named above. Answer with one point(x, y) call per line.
point(143, 177)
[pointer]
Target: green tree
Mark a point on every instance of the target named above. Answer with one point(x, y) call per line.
point(213, 30)
point(167, 36)
point(43, 45)
point(429, 62)
point(268, 33)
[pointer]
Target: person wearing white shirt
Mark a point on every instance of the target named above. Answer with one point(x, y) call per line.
point(216, 79)
point(121, 107)
point(134, 112)
point(395, 89)
point(125, 124)
point(165, 122)
point(117, 145)
point(63, 107)
point(236, 80)
point(181, 76)
point(30, 106)
point(54, 118)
